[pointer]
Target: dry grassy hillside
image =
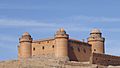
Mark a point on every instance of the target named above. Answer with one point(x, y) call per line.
point(48, 63)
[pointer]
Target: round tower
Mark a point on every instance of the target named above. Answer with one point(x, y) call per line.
point(61, 47)
point(97, 41)
point(25, 45)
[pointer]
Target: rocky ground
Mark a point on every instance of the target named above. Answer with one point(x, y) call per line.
point(48, 63)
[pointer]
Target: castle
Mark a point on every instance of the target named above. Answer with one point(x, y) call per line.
point(62, 47)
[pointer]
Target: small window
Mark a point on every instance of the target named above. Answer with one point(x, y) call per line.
point(84, 51)
point(34, 49)
point(71, 48)
point(96, 59)
point(52, 46)
point(39, 42)
point(79, 49)
point(47, 41)
point(94, 49)
point(43, 48)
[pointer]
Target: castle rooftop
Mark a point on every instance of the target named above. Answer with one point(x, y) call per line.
point(78, 41)
point(26, 33)
point(45, 39)
point(61, 31)
point(95, 30)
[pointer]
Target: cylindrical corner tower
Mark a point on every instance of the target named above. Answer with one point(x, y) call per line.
point(97, 41)
point(25, 44)
point(61, 47)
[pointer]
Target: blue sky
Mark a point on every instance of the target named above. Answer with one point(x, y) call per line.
point(42, 18)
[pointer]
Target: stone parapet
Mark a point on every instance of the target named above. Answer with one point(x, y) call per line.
point(104, 59)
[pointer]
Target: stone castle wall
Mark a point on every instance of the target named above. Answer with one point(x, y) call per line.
point(79, 51)
point(43, 47)
point(104, 59)
point(62, 47)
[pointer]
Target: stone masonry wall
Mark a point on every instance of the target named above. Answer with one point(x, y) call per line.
point(43, 48)
point(79, 51)
point(103, 59)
